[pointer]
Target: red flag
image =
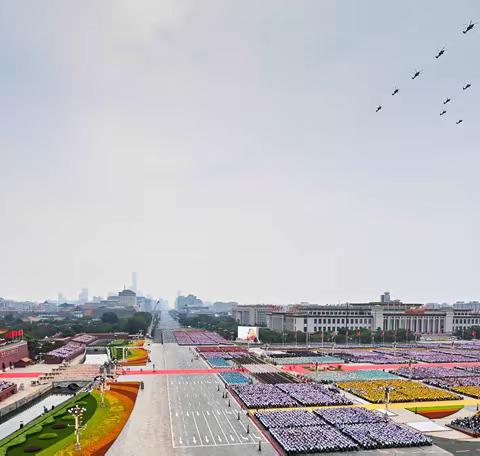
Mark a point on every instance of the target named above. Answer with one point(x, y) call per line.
point(358, 333)
point(383, 333)
point(474, 334)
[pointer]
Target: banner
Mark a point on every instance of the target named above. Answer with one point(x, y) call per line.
point(248, 333)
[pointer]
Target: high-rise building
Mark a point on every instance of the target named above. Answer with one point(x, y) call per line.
point(134, 282)
point(83, 296)
point(385, 297)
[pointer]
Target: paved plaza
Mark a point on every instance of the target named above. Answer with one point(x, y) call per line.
point(185, 414)
point(188, 415)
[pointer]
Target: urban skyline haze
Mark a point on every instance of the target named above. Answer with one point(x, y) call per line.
point(232, 149)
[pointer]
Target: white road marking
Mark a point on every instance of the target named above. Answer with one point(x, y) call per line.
point(218, 444)
point(170, 414)
point(196, 427)
point(234, 430)
point(220, 426)
point(219, 438)
point(209, 428)
point(245, 429)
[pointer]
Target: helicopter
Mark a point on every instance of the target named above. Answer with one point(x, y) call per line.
point(448, 100)
point(378, 108)
point(416, 74)
point(443, 112)
point(469, 27)
point(467, 86)
point(458, 122)
point(440, 53)
point(395, 92)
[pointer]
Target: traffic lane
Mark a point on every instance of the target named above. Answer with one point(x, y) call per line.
point(201, 400)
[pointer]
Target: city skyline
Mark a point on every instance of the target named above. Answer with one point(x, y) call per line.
point(236, 153)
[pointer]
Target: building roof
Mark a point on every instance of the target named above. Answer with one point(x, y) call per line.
point(127, 293)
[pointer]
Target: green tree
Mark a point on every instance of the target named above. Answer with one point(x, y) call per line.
point(109, 317)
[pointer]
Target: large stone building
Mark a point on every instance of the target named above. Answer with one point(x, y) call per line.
point(392, 315)
point(253, 315)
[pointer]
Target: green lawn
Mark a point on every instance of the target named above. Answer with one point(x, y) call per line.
point(30, 435)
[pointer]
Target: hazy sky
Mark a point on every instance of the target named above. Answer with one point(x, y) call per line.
point(231, 149)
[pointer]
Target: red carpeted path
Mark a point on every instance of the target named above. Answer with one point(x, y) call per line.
point(20, 374)
point(300, 369)
point(178, 371)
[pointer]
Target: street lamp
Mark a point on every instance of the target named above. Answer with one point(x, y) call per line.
point(102, 387)
point(77, 412)
point(386, 398)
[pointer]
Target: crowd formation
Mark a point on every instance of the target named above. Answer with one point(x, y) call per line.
point(371, 357)
point(337, 429)
point(264, 396)
point(194, 337)
point(421, 373)
point(470, 424)
point(347, 376)
point(234, 378)
point(400, 391)
point(307, 360)
point(289, 394)
point(311, 394)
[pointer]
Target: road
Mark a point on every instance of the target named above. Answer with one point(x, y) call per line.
point(185, 414)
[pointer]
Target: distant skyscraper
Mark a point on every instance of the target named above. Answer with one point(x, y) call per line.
point(385, 297)
point(60, 298)
point(134, 282)
point(83, 296)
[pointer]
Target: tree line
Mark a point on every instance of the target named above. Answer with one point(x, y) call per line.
point(227, 327)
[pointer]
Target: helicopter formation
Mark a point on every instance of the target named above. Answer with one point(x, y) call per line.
point(417, 73)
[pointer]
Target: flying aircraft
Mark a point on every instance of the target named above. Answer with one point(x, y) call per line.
point(467, 86)
point(448, 100)
point(443, 112)
point(378, 108)
point(416, 75)
point(458, 122)
point(440, 53)
point(395, 92)
point(469, 27)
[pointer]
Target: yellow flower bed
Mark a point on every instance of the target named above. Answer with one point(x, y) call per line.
point(472, 391)
point(137, 343)
point(403, 391)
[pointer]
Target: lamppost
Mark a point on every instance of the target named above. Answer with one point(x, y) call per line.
point(102, 387)
point(77, 412)
point(386, 398)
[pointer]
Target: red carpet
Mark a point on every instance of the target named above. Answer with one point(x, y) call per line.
point(178, 371)
point(299, 368)
point(20, 374)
